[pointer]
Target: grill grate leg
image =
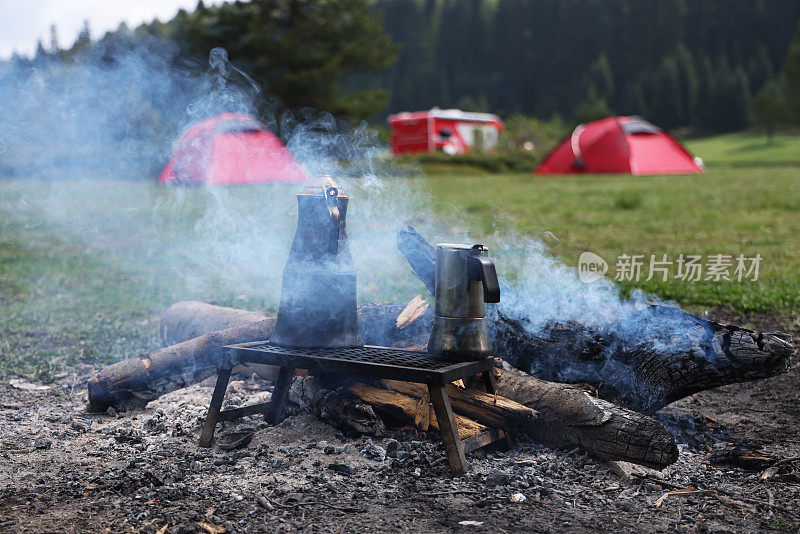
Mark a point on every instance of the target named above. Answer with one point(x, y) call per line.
point(213, 409)
point(449, 430)
point(280, 394)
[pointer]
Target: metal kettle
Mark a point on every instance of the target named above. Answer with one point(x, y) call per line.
point(318, 292)
point(465, 281)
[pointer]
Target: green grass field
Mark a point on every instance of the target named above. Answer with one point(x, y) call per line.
point(83, 278)
point(747, 149)
point(725, 211)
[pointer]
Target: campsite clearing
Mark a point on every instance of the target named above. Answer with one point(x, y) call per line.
point(66, 300)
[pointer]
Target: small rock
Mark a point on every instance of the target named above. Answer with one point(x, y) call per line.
point(265, 503)
point(42, 443)
point(330, 449)
point(236, 438)
point(342, 469)
point(374, 452)
point(496, 478)
point(518, 497)
point(322, 445)
point(391, 446)
point(80, 426)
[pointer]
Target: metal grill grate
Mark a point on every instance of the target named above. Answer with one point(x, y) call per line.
point(376, 362)
point(365, 354)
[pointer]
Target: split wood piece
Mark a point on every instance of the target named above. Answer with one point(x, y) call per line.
point(567, 415)
point(743, 457)
point(407, 409)
point(638, 373)
point(491, 410)
point(135, 382)
point(413, 311)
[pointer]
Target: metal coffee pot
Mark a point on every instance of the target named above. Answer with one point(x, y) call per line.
point(465, 281)
point(318, 293)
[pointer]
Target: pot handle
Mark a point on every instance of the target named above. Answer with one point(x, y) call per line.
point(481, 269)
point(333, 210)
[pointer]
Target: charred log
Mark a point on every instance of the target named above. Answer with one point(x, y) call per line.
point(189, 319)
point(336, 408)
point(643, 373)
point(570, 416)
point(135, 382)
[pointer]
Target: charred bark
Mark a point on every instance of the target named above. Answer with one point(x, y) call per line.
point(336, 408)
point(135, 382)
point(642, 374)
point(570, 416)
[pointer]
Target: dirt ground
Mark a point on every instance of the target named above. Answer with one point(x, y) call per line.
point(65, 470)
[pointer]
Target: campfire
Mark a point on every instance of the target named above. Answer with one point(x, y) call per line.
point(474, 376)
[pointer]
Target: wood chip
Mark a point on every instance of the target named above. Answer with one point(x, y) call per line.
point(771, 471)
point(413, 311)
point(422, 417)
point(18, 383)
point(683, 492)
point(163, 529)
point(211, 528)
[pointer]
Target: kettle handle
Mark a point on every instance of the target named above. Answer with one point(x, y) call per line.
point(331, 194)
point(482, 270)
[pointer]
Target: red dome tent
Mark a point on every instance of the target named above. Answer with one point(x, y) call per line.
point(231, 149)
point(629, 145)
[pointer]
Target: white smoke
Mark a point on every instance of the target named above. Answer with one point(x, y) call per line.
point(83, 141)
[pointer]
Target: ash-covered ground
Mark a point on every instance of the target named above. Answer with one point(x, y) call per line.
point(66, 470)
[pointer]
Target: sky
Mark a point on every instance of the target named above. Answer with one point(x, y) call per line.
point(23, 22)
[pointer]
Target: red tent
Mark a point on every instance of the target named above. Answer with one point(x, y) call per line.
point(231, 149)
point(628, 145)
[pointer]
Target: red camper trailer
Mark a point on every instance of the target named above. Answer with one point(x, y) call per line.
point(450, 130)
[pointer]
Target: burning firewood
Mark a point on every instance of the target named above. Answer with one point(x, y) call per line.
point(566, 414)
point(643, 375)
